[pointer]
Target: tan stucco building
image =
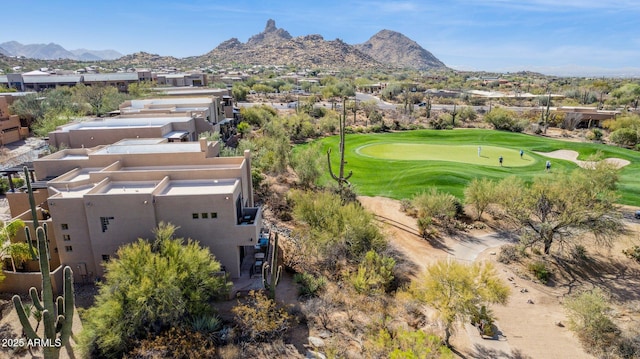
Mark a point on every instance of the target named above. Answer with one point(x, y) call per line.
point(102, 198)
point(10, 128)
point(108, 130)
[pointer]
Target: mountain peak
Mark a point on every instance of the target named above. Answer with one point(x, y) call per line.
point(392, 47)
point(271, 35)
point(271, 26)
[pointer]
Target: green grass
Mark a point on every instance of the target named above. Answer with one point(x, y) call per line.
point(430, 152)
point(401, 164)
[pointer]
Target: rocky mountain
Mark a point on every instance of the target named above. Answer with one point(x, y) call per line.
point(144, 59)
point(276, 46)
point(54, 51)
point(4, 52)
point(273, 46)
point(396, 49)
point(270, 36)
point(84, 54)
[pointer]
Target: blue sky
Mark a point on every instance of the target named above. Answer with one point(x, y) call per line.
point(566, 37)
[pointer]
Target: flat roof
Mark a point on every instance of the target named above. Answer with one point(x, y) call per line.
point(176, 135)
point(127, 187)
point(41, 79)
point(140, 141)
point(170, 101)
point(200, 187)
point(65, 191)
point(74, 157)
point(115, 76)
point(175, 147)
point(182, 167)
point(122, 122)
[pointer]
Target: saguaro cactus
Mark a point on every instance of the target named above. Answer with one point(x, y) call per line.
point(341, 179)
point(271, 271)
point(57, 315)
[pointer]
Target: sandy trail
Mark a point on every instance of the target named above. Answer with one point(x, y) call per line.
point(527, 330)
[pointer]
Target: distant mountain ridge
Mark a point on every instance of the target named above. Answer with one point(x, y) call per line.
point(276, 46)
point(273, 46)
point(54, 51)
point(395, 48)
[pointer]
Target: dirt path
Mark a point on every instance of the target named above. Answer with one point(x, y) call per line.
point(527, 323)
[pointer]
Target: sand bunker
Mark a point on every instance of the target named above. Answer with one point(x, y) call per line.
point(572, 156)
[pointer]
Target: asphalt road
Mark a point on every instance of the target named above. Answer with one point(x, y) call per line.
point(383, 105)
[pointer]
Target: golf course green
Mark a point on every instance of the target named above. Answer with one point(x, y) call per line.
point(487, 156)
point(400, 164)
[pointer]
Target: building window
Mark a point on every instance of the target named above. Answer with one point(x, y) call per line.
point(104, 221)
point(68, 248)
point(66, 237)
point(205, 215)
point(195, 216)
point(64, 226)
point(106, 257)
point(214, 214)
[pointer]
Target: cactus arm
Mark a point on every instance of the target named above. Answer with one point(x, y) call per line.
point(32, 201)
point(349, 176)
point(47, 290)
point(32, 250)
point(59, 323)
point(24, 320)
point(330, 169)
point(49, 324)
point(67, 326)
point(35, 299)
point(60, 305)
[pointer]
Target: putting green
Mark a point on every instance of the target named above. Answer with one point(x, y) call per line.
point(489, 155)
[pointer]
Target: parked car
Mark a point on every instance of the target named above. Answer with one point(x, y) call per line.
point(637, 215)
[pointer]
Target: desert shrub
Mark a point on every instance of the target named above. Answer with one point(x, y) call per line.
point(466, 113)
point(441, 122)
point(633, 253)
point(179, 343)
point(624, 137)
point(628, 346)
point(150, 288)
point(506, 120)
point(589, 317)
point(624, 121)
point(259, 319)
point(258, 115)
point(318, 112)
point(308, 284)
point(374, 275)
point(307, 164)
point(435, 205)
point(540, 270)
point(480, 193)
point(483, 319)
point(4, 184)
point(336, 230)
point(594, 134)
point(579, 252)
point(329, 124)
point(300, 127)
point(405, 343)
point(508, 254)
point(407, 207)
